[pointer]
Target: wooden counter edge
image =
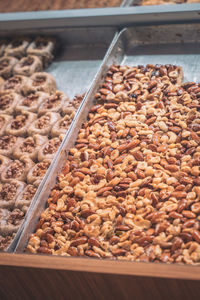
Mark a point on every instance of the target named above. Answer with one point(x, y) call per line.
point(101, 266)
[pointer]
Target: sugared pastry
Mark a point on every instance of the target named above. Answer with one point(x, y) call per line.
point(31, 102)
point(4, 215)
point(19, 124)
point(11, 221)
point(17, 47)
point(15, 84)
point(36, 174)
point(29, 146)
point(8, 144)
point(8, 102)
point(24, 199)
point(4, 121)
point(2, 47)
point(48, 150)
point(9, 192)
point(17, 169)
point(42, 82)
point(7, 64)
point(4, 161)
point(61, 126)
point(28, 65)
point(42, 47)
point(5, 241)
point(44, 124)
point(1, 82)
point(53, 103)
point(71, 107)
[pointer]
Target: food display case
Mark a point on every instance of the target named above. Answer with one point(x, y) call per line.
point(84, 55)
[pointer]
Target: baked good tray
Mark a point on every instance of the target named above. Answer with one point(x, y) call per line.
point(164, 44)
point(78, 57)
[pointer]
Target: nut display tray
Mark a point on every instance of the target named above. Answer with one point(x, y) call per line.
point(165, 44)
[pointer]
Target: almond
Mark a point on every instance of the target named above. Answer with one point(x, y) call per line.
point(79, 241)
point(151, 120)
point(133, 144)
point(138, 155)
point(95, 108)
point(122, 228)
point(195, 137)
point(196, 235)
point(109, 175)
point(171, 168)
point(93, 242)
point(188, 214)
point(179, 194)
point(104, 189)
point(92, 254)
point(104, 91)
point(119, 252)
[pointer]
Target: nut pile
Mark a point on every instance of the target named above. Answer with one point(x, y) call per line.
point(73, 4)
point(58, 5)
point(30, 108)
point(161, 2)
point(130, 187)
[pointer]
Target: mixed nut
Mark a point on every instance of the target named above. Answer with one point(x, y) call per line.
point(161, 2)
point(130, 187)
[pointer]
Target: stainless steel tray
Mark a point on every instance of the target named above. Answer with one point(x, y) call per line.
point(80, 53)
point(166, 44)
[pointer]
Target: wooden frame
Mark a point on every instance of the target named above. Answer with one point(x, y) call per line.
point(161, 270)
point(25, 276)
